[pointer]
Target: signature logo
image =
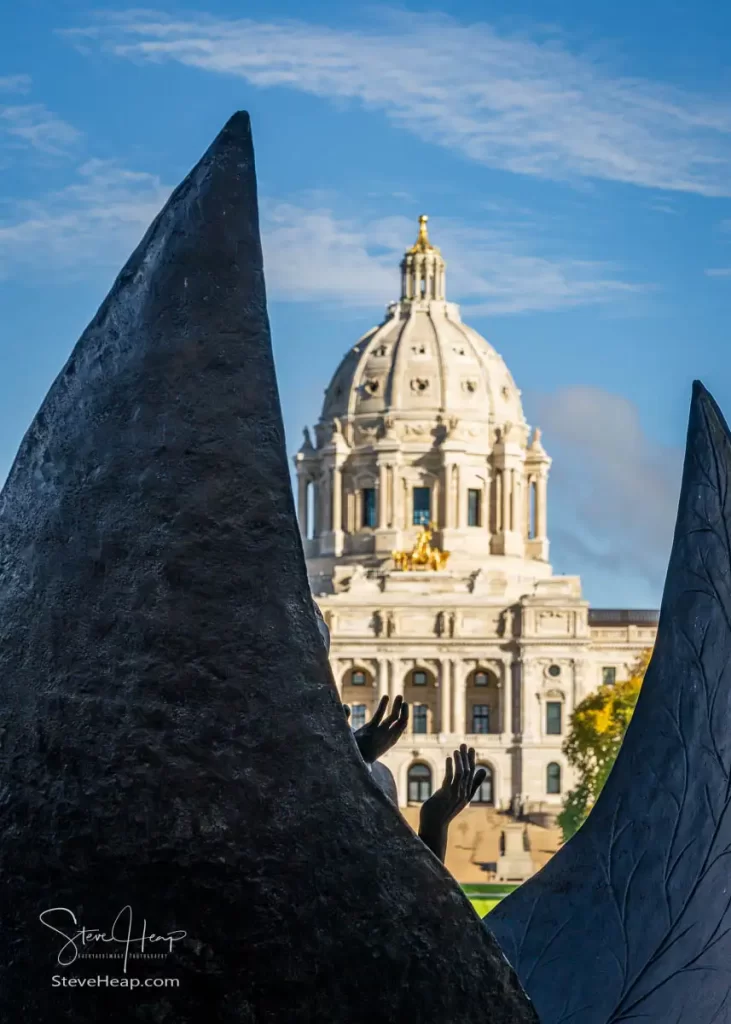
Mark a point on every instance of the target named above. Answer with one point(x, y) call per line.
point(121, 934)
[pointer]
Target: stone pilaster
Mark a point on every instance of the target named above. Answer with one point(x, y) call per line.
point(445, 697)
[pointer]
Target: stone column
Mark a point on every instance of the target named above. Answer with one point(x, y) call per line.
point(485, 510)
point(507, 497)
point(389, 496)
point(302, 484)
point(529, 710)
point(517, 504)
point(506, 696)
point(325, 503)
point(383, 685)
point(541, 507)
point(395, 685)
point(516, 697)
point(382, 495)
point(445, 723)
point(337, 499)
point(457, 498)
point(459, 691)
point(447, 524)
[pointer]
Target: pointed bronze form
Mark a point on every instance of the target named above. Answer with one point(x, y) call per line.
point(172, 741)
point(631, 920)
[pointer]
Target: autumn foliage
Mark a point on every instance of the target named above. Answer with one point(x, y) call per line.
point(597, 729)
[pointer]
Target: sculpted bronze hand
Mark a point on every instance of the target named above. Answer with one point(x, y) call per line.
point(381, 774)
point(460, 784)
point(376, 737)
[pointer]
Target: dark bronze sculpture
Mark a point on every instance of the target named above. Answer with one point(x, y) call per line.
point(631, 920)
point(461, 780)
point(172, 740)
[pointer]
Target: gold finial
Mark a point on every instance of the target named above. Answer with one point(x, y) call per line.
point(422, 243)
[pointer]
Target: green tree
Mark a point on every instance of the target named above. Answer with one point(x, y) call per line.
point(596, 732)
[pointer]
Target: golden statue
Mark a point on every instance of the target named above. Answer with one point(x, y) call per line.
point(422, 556)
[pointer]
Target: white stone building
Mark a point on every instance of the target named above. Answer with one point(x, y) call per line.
point(423, 424)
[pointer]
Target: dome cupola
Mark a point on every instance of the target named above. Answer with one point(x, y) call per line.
point(422, 268)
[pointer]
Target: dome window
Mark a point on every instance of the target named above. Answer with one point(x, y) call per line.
point(371, 386)
point(422, 506)
point(469, 386)
point(474, 507)
point(370, 512)
point(420, 385)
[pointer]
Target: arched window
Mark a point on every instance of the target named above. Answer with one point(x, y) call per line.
point(553, 778)
point(419, 783)
point(358, 713)
point(419, 678)
point(357, 677)
point(482, 679)
point(421, 718)
point(485, 793)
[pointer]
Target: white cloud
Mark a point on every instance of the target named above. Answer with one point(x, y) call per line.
point(531, 106)
point(93, 223)
point(33, 125)
point(618, 485)
point(718, 272)
point(15, 83)
point(312, 253)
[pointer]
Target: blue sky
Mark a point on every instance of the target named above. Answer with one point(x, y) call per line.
point(577, 174)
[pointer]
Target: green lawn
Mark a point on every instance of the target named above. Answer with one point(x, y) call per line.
point(483, 906)
point(484, 897)
point(491, 888)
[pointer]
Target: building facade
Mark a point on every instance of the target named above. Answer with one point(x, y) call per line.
point(423, 508)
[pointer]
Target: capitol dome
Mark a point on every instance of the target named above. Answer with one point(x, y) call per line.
point(422, 426)
point(422, 360)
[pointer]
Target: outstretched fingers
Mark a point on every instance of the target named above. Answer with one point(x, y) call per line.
point(402, 719)
point(395, 711)
point(380, 711)
point(459, 769)
point(480, 776)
